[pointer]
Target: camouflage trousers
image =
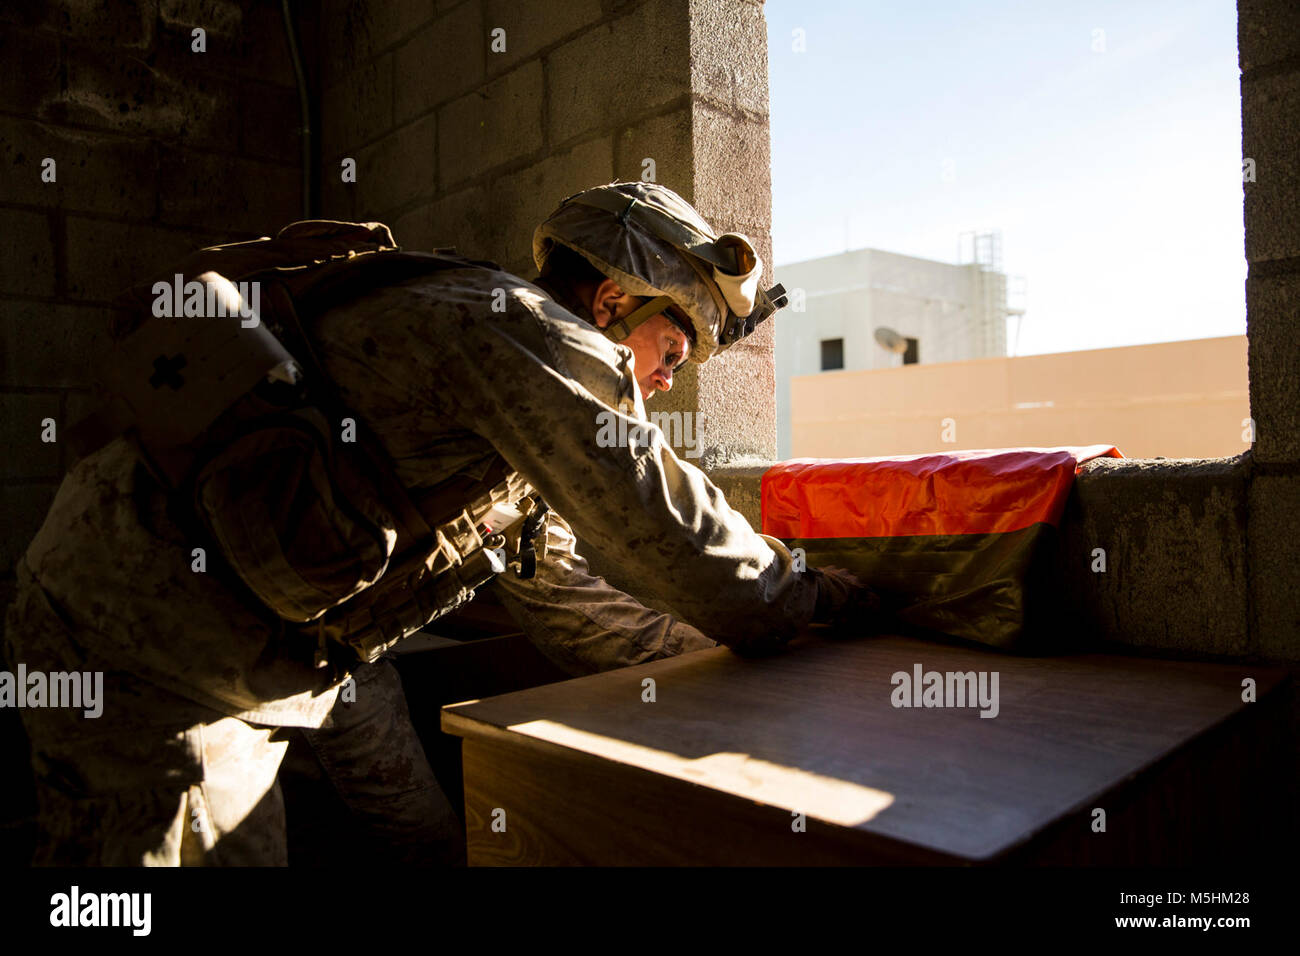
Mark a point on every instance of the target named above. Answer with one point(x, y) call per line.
point(372, 756)
point(159, 780)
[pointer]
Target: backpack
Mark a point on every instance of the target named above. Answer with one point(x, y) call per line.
point(216, 381)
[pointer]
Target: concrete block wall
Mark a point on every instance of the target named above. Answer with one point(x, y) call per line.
point(733, 189)
point(470, 121)
point(1268, 40)
point(1176, 574)
point(158, 149)
point(1269, 50)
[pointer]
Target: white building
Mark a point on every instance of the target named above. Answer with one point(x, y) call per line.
point(940, 312)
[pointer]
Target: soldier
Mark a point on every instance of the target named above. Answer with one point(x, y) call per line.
point(476, 385)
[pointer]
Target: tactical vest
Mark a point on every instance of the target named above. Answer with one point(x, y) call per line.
point(216, 380)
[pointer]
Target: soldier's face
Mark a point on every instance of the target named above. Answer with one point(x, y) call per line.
point(658, 346)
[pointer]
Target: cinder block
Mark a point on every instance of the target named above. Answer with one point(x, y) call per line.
point(398, 19)
point(93, 173)
point(246, 42)
point(666, 140)
point(129, 22)
point(370, 28)
point(1267, 31)
point(51, 346)
point(413, 230)
point(358, 109)
point(32, 66)
point(22, 418)
point(1275, 565)
point(174, 99)
point(397, 170)
point(338, 200)
point(440, 62)
point(22, 512)
point(530, 27)
point(26, 253)
point(270, 123)
point(737, 392)
point(729, 55)
point(214, 16)
point(1174, 540)
point(261, 49)
point(225, 194)
point(742, 484)
point(728, 150)
point(340, 25)
point(1270, 135)
point(1272, 310)
point(104, 258)
point(175, 57)
point(456, 220)
point(595, 84)
point(519, 201)
point(489, 126)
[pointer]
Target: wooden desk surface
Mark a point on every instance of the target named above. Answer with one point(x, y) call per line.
point(814, 731)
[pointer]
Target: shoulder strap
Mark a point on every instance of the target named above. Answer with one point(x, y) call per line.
point(319, 263)
point(414, 528)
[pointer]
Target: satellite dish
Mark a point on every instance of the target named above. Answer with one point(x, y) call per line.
point(890, 341)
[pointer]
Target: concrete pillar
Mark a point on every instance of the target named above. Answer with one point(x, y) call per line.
point(731, 185)
point(1269, 48)
point(1268, 34)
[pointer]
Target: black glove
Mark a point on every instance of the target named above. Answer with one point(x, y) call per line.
point(848, 605)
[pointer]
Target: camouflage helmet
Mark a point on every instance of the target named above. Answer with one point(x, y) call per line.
point(654, 244)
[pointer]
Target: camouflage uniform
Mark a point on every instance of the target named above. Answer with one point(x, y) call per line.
point(195, 681)
point(157, 778)
point(444, 380)
point(370, 752)
point(581, 623)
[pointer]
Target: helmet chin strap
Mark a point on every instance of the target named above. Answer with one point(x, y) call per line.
point(620, 329)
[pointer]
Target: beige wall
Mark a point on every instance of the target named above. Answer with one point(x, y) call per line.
point(1173, 400)
point(945, 307)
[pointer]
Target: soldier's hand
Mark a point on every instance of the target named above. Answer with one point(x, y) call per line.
point(848, 605)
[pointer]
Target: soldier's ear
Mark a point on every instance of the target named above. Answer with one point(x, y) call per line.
point(609, 302)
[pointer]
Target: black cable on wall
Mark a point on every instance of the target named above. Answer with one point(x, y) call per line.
point(304, 106)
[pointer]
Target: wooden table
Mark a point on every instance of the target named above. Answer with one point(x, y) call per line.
point(803, 758)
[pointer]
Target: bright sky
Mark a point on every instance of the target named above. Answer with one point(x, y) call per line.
point(1115, 176)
